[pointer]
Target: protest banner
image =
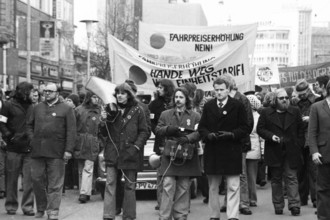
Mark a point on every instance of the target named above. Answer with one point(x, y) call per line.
point(170, 42)
point(290, 75)
point(267, 75)
point(127, 63)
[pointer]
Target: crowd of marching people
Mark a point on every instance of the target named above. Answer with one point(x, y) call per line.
point(229, 141)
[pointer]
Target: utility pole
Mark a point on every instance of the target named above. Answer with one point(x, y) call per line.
point(4, 48)
point(28, 42)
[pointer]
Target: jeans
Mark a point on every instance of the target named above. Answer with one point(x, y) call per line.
point(252, 169)
point(129, 203)
point(244, 191)
point(14, 164)
point(233, 195)
point(2, 170)
point(48, 181)
point(175, 197)
point(85, 169)
point(291, 183)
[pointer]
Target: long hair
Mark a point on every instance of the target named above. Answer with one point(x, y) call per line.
point(168, 89)
point(199, 97)
point(270, 100)
point(23, 91)
point(124, 87)
point(186, 95)
point(88, 99)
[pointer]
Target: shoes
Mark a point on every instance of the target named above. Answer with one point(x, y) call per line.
point(262, 183)
point(206, 200)
point(278, 211)
point(233, 219)
point(11, 212)
point(314, 204)
point(118, 211)
point(83, 198)
point(295, 211)
point(245, 211)
point(39, 214)
point(253, 204)
point(88, 198)
point(214, 218)
point(30, 213)
point(157, 207)
point(2, 194)
point(223, 209)
point(107, 219)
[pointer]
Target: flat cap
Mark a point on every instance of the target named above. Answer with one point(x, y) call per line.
point(301, 85)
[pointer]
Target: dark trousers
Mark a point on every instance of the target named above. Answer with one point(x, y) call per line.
point(71, 174)
point(2, 170)
point(291, 183)
point(323, 192)
point(15, 163)
point(261, 174)
point(48, 181)
point(307, 178)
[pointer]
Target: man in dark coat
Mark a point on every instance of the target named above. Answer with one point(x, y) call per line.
point(307, 171)
point(282, 129)
point(222, 126)
point(52, 131)
point(13, 128)
point(319, 146)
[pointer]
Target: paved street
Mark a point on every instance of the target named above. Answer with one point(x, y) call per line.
point(72, 210)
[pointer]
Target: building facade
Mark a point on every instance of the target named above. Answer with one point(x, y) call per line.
point(320, 44)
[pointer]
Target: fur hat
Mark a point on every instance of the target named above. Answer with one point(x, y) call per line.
point(74, 98)
point(255, 102)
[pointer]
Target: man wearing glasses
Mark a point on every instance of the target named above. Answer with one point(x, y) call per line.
point(281, 127)
point(51, 129)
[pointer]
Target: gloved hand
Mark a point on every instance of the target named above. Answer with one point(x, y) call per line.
point(182, 140)
point(225, 135)
point(172, 130)
point(211, 136)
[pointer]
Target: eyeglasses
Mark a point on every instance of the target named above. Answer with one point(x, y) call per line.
point(283, 97)
point(95, 97)
point(49, 91)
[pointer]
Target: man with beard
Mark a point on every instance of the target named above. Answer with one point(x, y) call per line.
point(13, 126)
point(52, 130)
point(306, 172)
point(281, 127)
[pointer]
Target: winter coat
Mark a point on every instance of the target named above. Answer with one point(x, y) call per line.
point(188, 120)
point(257, 143)
point(247, 106)
point(156, 107)
point(52, 130)
point(292, 134)
point(87, 142)
point(13, 126)
point(223, 157)
point(121, 134)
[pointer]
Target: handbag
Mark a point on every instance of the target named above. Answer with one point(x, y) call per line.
point(177, 152)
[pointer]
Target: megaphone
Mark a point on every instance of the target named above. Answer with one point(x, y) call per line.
point(102, 88)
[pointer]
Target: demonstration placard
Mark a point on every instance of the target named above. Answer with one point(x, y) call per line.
point(146, 71)
point(171, 42)
point(290, 75)
point(267, 75)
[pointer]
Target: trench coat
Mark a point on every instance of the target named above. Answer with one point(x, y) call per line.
point(224, 157)
point(292, 134)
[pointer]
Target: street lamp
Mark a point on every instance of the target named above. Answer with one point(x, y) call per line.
point(89, 34)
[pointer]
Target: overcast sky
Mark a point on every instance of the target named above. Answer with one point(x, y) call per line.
point(239, 11)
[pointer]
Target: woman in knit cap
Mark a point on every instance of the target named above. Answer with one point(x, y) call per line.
point(254, 155)
point(129, 133)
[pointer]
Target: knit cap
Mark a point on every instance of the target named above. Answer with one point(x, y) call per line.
point(255, 102)
point(74, 98)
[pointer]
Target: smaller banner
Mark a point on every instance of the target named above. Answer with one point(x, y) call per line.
point(47, 39)
point(290, 75)
point(267, 75)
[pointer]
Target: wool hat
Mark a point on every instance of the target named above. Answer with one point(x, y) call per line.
point(74, 98)
point(255, 102)
point(301, 86)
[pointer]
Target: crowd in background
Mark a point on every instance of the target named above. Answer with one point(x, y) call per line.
point(233, 143)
